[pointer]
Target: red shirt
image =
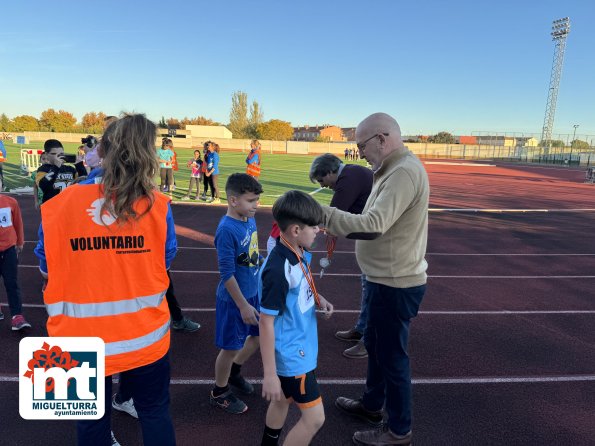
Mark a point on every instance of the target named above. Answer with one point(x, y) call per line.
point(11, 223)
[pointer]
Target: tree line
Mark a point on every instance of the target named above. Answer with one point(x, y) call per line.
point(241, 124)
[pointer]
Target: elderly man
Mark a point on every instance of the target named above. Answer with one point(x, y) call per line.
point(351, 185)
point(392, 232)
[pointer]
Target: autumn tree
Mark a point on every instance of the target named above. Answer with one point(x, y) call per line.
point(443, 138)
point(57, 121)
point(238, 115)
point(275, 130)
point(199, 120)
point(5, 123)
point(93, 122)
point(578, 144)
point(256, 118)
point(25, 123)
point(173, 123)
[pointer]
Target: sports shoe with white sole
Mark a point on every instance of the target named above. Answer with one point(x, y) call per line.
point(126, 406)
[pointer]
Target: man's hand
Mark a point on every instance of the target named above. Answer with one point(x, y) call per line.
point(18, 249)
point(326, 308)
point(271, 388)
point(249, 315)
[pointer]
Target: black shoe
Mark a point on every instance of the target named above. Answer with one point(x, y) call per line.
point(241, 384)
point(349, 335)
point(356, 408)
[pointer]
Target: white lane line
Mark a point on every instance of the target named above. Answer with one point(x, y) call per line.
point(498, 211)
point(430, 312)
point(415, 381)
point(446, 163)
point(179, 271)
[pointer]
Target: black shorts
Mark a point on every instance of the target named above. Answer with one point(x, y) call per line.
point(303, 389)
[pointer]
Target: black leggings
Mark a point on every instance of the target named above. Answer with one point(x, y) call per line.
point(172, 302)
point(205, 183)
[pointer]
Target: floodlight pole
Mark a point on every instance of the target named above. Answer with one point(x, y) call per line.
point(574, 135)
point(560, 30)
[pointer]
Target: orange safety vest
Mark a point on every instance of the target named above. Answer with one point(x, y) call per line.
point(107, 281)
point(253, 169)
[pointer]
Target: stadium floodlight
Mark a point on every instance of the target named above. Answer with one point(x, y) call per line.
point(560, 30)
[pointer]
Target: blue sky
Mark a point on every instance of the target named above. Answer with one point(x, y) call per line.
point(462, 66)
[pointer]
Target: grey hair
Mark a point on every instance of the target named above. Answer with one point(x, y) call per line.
point(323, 165)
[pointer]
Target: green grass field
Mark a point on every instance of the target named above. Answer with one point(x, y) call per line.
point(280, 172)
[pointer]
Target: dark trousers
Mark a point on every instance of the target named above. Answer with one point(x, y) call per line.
point(8, 270)
point(205, 183)
point(174, 307)
point(386, 338)
point(149, 386)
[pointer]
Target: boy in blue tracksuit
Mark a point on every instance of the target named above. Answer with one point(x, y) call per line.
point(236, 328)
point(288, 330)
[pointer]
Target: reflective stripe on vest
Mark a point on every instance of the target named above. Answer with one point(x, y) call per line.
point(132, 345)
point(114, 289)
point(253, 169)
point(104, 308)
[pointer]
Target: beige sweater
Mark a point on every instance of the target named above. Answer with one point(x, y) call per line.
point(392, 231)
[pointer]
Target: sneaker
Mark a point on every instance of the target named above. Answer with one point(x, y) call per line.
point(126, 406)
point(349, 335)
point(241, 384)
point(209, 200)
point(203, 197)
point(114, 441)
point(18, 323)
point(185, 325)
point(185, 198)
point(381, 436)
point(356, 408)
point(357, 351)
point(216, 201)
point(228, 402)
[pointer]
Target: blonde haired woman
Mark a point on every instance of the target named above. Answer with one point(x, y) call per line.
point(119, 225)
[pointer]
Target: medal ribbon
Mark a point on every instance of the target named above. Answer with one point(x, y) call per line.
point(308, 274)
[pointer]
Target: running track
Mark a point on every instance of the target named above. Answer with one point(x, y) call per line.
point(503, 351)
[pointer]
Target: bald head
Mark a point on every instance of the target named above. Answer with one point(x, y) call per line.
point(388, 140)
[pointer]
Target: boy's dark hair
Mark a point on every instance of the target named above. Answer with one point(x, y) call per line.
point(241, 183)
point(296, 207)
point(51, 144)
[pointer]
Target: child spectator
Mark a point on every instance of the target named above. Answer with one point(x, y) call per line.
point(236, 331)
point(254, 159)
point(37, 192)
point(165, 155)
point(195, 165)
point(55, 176)
point(288, 322)
point(213, 173)
point(205, 180)
point(11, 245)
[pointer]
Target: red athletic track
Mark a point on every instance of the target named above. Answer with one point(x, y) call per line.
point(491, 340)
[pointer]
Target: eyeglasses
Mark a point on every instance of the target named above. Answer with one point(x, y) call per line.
point(362, 145)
